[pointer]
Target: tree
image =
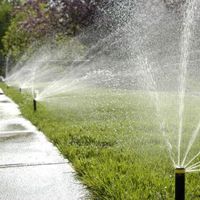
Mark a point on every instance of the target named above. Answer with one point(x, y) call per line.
point(35, 20)
point(71, 16)
point(45, 17)
point(5, 16)
point(29, 23)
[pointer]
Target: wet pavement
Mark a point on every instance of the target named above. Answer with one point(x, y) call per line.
point(31, 168)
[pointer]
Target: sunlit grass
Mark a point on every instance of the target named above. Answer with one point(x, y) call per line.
point(113, 141)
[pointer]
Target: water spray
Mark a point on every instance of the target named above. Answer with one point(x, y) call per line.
point(180, 183)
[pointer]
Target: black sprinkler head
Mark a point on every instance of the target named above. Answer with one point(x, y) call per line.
point(34, 105)
point(180, 183)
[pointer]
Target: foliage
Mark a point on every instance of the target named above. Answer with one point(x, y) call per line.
point(15, 40)
point(36, 20)
point(44, 17)
point(5, 10)
point(70, 16)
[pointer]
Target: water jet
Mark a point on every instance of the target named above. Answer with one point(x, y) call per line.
point(2, 79)
point(180, 183)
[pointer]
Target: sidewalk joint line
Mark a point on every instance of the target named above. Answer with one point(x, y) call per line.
point(19, 165)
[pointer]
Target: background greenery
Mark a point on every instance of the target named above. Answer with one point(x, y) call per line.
point(5, 10)
point(26, 24)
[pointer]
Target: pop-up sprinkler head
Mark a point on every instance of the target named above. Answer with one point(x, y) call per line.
point(34, 101)
point(34, 105)
point(180, 183)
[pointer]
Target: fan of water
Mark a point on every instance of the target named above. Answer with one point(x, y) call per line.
point(152, 48)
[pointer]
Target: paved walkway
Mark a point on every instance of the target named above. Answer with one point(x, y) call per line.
point(31, 168)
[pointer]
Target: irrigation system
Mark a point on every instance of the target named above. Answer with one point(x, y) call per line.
point(34, 105)
point(155, 43)
point(180, 183)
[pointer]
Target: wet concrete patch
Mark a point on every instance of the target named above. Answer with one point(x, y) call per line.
point(53, 182)
point(13, 136)
point(5, 101)
point(31, 167)
point(14, 127)
point(16, 124)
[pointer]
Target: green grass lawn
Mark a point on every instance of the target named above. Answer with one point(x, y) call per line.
point(113, 141)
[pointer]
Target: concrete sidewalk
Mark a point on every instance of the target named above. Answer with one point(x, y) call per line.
point(31, 168)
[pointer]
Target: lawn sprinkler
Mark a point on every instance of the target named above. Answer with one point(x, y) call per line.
point(2, 79)
point(34, 105)
point(20, 90)
point(34, 101)
point(180, 183)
